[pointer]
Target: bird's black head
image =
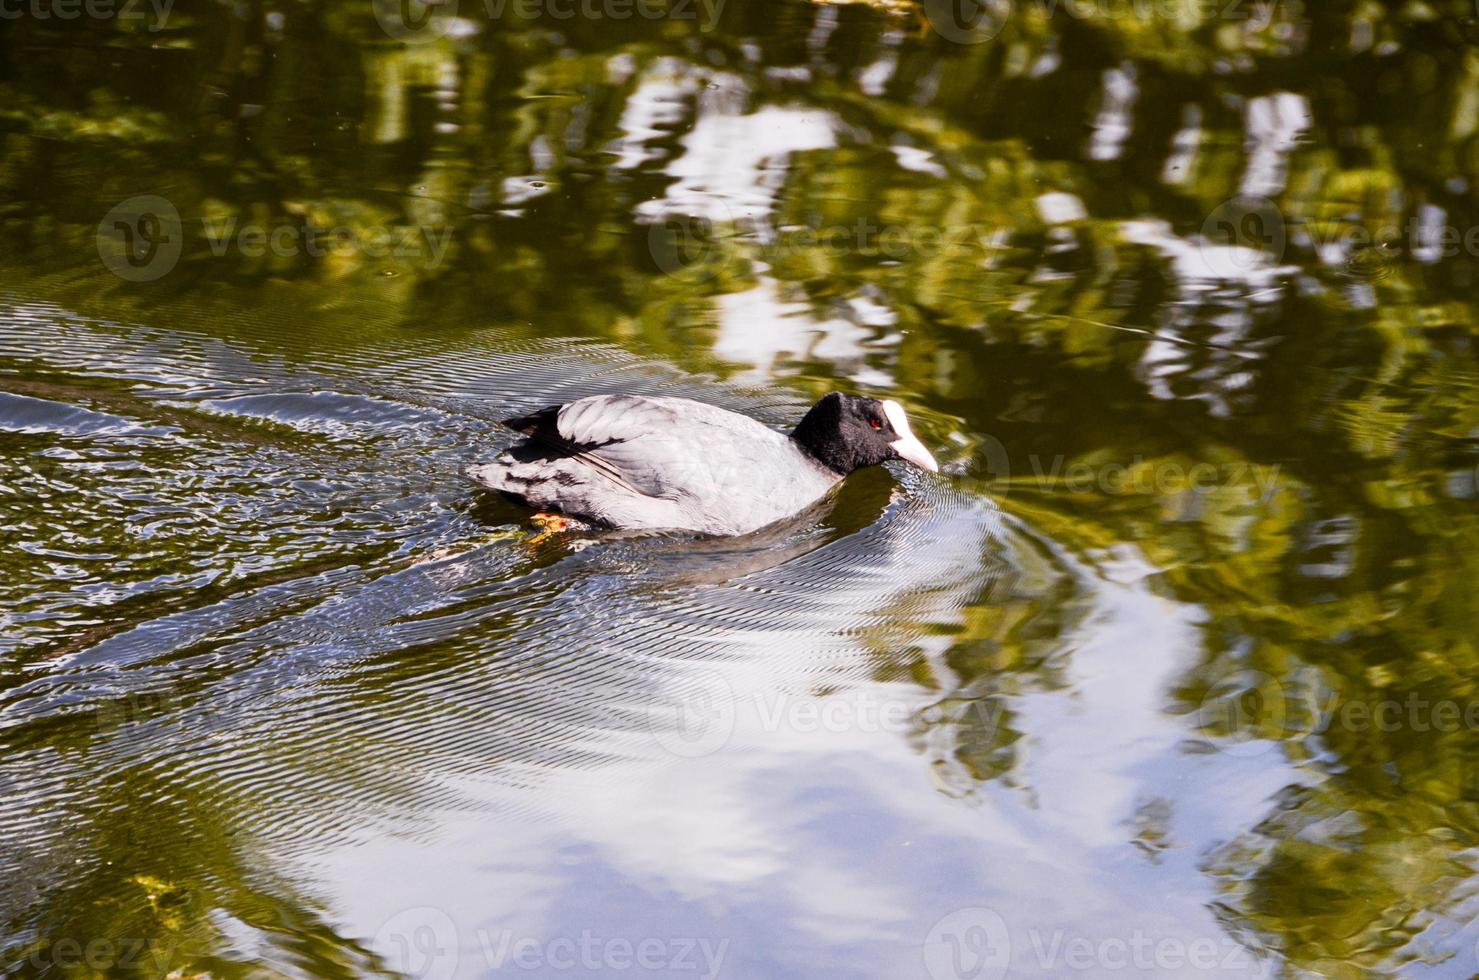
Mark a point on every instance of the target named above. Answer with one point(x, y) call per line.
point(848, 432)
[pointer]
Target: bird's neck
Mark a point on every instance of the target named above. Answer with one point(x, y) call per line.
point(830, 453)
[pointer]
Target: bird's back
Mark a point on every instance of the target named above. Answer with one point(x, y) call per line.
point(642, 462)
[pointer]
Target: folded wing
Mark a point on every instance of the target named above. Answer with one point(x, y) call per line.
point(668, 448)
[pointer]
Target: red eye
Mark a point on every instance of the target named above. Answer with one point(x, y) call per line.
point(875, 423)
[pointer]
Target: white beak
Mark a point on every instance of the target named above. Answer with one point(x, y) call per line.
point(908, 447)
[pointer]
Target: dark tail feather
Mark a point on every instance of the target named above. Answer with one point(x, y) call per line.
point(543, 429)
point(542, 424)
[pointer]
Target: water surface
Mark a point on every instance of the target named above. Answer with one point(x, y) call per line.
point(1169, 672)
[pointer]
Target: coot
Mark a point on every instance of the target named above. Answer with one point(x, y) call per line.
point(646, 463)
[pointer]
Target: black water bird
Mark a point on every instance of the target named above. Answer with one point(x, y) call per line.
point(647, 463)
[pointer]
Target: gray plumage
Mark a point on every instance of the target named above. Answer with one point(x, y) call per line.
point(641, 462)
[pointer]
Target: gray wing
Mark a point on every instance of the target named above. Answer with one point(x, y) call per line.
point(647, 462)
point(670, 448)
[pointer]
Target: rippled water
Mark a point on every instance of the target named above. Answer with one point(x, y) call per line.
point(1170, 671)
